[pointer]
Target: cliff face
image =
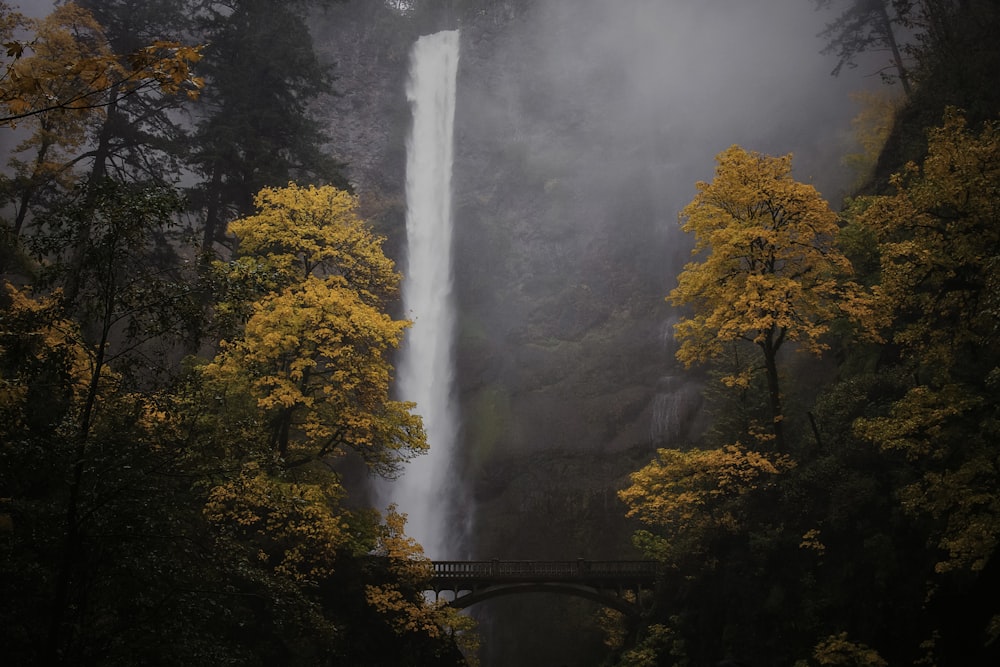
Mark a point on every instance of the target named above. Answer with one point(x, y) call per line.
point(563, 254)
point(563, 260)
point(581, 128)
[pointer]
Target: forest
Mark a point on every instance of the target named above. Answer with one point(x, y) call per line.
point(199, 321)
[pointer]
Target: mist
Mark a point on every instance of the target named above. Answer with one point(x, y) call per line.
point(582, 129)
point(670, 84)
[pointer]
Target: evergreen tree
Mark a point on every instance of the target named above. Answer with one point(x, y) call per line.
point(256, 128)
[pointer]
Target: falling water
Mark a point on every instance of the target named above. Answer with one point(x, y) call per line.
point(426, 490)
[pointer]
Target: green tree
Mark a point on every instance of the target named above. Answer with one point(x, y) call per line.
point(938, 239)
point(94, 111)
point(80, 403)
point(256, 127)
point(770, 271)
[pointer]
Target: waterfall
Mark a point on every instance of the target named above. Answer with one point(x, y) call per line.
point(426, 493)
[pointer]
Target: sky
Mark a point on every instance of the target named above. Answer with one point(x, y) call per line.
point(33, 8)
point(626, 103)
point(689, 79)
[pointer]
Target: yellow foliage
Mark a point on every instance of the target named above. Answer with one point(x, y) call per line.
point(406, 557)
point(304, 231)
point(34, 331)
point(406, 615)
point(295, 529)
point(963, 496)
point(685, 493)
point(415, 613)
point(658, 644)
point(917, 422)
point(937, 239)
point(314, 351)
point(71, 67)
point(769, 267)
point(612, 624)
point(810, 540)
point(966, 499)
point(839, 651)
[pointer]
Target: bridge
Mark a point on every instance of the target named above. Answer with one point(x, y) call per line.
point(618, 584)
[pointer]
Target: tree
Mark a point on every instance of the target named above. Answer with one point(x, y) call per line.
point(771, 271)
point(256, 128)
point(303, 383)
point(938, 242)
point(938, 246)
point(314, 350)
point(56, 136)
point(90, 105)
point(196, 516)
point(399, 597)
point(87, 74)
point(867, 25)
point(87, 476)
point(144, 133)
point(192, 513)
point(688, 495)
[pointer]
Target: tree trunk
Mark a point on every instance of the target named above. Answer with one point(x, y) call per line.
point(212, 214)
point(98, 172)
point(890, 38)
point(770, 347)
point(60, 631)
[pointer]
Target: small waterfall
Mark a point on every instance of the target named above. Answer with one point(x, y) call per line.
point(676, 402)
point(427, 490)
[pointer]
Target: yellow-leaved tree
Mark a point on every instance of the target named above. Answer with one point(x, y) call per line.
point(769, 270)
point(395, 599)
point(686, 497)
point(304, 381)
point(314, 350)
point(69, 67)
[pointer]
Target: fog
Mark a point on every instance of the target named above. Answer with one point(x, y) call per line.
point(678, 81)
point(582, 129)
point(33, 8)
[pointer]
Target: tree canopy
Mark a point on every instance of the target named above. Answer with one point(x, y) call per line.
point(770, 270)
point(889, 500)
point(314, 349)
point(69, 65)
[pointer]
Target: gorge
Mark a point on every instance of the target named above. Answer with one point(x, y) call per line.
point(315, 314)
point(580, 129)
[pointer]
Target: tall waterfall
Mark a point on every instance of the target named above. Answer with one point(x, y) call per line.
point(426, 492)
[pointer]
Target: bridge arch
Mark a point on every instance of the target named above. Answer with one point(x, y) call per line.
point(618, 585)
point(601, 597)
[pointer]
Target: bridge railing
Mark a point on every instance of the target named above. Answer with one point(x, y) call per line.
point(497, 570)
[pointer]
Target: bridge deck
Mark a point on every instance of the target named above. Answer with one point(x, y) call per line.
point(470, 574)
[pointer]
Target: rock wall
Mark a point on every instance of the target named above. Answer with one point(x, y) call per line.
point(581, 128)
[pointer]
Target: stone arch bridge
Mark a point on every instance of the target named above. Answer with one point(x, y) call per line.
point(618, 584)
